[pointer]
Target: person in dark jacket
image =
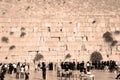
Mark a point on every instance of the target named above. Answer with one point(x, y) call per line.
point(26, 76)
point(2, 75)
point(43, 70)
point(10, 68)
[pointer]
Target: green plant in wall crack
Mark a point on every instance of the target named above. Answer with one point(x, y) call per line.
point(38, 57)
point(114, 43)
point(12, 47)
point(117, 32)
point(106, 34)
point(5, 39)
point(108, 38)
point(22, 34)
point(11, 33)
point(68, 56)
point(22, 28)
point(6, 57)
point(96, 56)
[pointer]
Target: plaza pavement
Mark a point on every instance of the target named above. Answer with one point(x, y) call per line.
point(51, 75)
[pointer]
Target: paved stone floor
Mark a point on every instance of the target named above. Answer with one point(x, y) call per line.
point(51, 75)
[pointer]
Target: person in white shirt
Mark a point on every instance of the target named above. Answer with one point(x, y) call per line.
point(88, 66)
point(22, 72)
point(15, 66)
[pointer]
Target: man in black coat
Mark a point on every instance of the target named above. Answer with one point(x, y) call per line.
point(43, 71)
point(2, 75)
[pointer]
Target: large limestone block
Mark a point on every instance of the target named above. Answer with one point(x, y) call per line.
point(70, 39)
point(45, 48)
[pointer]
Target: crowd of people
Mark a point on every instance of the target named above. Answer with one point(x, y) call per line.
point(99, 65)
point(85, 67)
point(22, 69)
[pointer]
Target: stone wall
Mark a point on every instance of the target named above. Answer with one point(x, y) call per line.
point(56, 28)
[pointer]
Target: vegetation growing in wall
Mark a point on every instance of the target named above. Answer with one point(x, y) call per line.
point(94, 22)
point(108, 38)
point(38, 57)
point(96, 56)
point(22, 34)
point(49, 30)
point(12, 47)
point(22, 28)
point(5, 39)
point(67, 56)
point(107, 56)
point(6, 57)
point(11, 33)
point(114, 42)
point(117, 32)
point(60, 30)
